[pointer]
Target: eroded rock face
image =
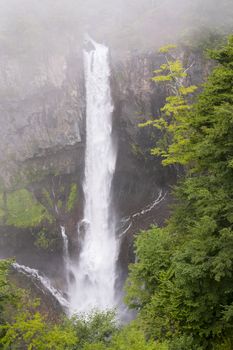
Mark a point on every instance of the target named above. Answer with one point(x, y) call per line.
point(42, 146)
point(139, 176)
point(42, 142)
point(45, 119)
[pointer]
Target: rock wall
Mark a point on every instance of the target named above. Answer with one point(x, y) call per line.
point(42, 146)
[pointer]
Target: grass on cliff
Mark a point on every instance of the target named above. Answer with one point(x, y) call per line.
point(73, 196)
point(23, 210)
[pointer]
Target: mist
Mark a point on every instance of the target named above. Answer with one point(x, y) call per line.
point(128, 24)
point(38, 38)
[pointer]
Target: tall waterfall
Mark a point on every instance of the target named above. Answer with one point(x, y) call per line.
point(95, 274)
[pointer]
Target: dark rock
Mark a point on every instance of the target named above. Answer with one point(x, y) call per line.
point(42, 148)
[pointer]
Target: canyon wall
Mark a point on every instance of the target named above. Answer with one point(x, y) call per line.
point(42, 145)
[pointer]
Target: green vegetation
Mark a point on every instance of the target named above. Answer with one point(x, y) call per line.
point(182, 283)
point(43, 241)
point(2, 207)
point(22, 326)
point(33, 332)
point(5, 288)
point(175, 119)
point(136, 150)
point(59, 204)
point(73, 196)
point(48, 198)
point(202, 39)
point(128, 338)
point(23, 210)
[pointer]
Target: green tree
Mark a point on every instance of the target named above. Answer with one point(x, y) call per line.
point(24, 327)
point(189, 299)
point(33, 332)
point(129, 338)
point(174, 121)
point(7, 293)
point(95, 327)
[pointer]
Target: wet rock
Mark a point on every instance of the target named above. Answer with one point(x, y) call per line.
point(42, 148)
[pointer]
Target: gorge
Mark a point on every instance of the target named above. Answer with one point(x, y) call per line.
point(56, 176)
point(116, 175)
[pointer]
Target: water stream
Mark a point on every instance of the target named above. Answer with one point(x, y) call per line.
point(66, 257)
point(44, 283)
point(95, 273)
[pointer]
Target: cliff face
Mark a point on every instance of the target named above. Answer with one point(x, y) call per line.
point(42, 141)
point(42, 146)
point(42, 112)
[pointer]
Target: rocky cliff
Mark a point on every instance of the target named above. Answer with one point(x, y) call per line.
point(42, 145)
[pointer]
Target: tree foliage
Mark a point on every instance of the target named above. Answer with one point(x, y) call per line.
point(182, 283)
point(128, 338)
point(22, 326)
point(175, 119)
point(33, 332)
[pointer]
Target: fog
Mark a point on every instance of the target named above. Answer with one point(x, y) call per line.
point(123, 24)
point(36, 37)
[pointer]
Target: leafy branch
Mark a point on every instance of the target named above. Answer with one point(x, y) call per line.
point(175, 115)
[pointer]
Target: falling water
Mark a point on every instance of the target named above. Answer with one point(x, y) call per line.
point(95, 274)
point(65, 248)
point(43, 281)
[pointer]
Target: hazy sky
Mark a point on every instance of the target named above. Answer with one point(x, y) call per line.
point(134, 24)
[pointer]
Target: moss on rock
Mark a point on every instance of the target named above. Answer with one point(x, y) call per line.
point(23, 210)
point(73, 196)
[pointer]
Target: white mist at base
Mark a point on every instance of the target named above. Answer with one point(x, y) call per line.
point(95, 275)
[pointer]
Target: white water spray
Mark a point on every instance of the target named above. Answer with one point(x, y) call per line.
point(66, 257)
point(157, 201)
point(95, 275)
point(44, 282)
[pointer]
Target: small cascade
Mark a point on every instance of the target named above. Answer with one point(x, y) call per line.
point(149, 208)
point(66, 256)
point(127, 222)
point(44, 282)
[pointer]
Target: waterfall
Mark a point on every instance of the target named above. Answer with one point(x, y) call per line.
point(43, 281)
point(95, 273)
point(66, 257)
